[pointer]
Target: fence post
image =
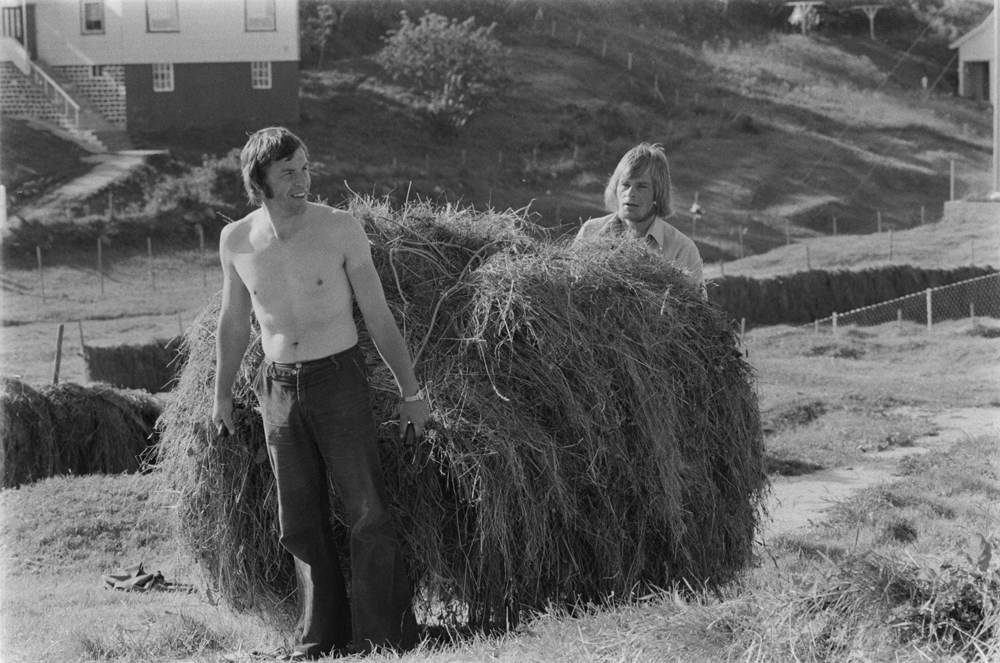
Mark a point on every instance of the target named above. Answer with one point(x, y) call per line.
point(930, 310)
point(149, 252)
point(952, 182)
point(878, 221)
point(816, 326)
point(834, 318)
point(82, 344)
point(808, 259)
point(722, 268)
point(41, 274)
point(743, 329)
point(834, 224)
point(972, 256)
point(788, 232)
point(923, 214)
point(100, 263)
point(972, 312)
point(890, 245)
point(630, 62)
point(899, 319)
point(55, 370)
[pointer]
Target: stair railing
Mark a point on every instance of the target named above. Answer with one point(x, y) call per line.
point(56, 94)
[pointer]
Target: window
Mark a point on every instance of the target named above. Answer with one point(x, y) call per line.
point(161, 16)
point(163, 77)
point(260, 16)
point(93, 17)
point(96, 70)
point(260, 75)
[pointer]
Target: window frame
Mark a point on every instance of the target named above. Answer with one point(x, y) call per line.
point(97, 71)
point(163, 76)
point(83, 17)
point(261, 77)
point(274, 16)
point(176, 17)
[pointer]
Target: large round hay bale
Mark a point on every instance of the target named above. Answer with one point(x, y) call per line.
point(597, 429)
point(100, 429)
point(71, 429)
point(27, 442)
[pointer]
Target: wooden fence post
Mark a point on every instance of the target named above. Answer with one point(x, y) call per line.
point(41, 273)
point(834, 319)
point(890, 245)
point(808, 259)
point(149, 252)
point(59, 340)
point(951, 188)
point(878, 221)
point(100, 263)
point(899, 319)
point(930, 310)
point(82, 344)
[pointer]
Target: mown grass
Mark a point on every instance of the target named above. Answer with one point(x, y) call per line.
point(898, 572)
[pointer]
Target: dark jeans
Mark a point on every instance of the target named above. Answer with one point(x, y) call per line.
point(318, 423)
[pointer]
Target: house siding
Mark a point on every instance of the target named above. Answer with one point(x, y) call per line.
point(211, 94)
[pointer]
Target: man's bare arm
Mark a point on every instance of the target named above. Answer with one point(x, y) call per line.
point(232, 335)
point(382, 326)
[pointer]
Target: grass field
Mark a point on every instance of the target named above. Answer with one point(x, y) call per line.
point(877, 387)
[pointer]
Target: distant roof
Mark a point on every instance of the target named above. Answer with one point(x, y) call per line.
point(986, 24)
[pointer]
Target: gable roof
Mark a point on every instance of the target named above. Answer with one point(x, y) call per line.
point(974, 32)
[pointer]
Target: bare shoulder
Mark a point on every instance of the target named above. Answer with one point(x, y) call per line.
point(338, 222)
point(237, 231)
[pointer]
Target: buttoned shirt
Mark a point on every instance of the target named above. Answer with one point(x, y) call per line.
point(674, 246)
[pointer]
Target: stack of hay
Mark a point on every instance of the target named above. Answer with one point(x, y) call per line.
point(70, 429)
point(597, 430)
point(150, 366)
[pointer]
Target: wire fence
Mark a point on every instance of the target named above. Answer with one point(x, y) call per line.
point(977, 297)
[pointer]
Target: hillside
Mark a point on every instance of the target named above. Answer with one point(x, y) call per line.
point(769, 129)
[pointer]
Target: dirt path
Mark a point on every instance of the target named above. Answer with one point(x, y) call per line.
point(799, 502)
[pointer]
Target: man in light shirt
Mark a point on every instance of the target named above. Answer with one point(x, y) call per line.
point(638, 197)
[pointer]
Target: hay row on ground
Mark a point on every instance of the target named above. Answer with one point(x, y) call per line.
point(70, 429)
point(598, 432)
point(150, 366)
point(817, 294)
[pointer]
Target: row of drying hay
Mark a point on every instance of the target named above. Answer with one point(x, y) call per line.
point(597, 431)
point(813, 295)
point(71, 429)
point(150, 366)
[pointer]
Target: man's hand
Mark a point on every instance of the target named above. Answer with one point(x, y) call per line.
point(416, 413)
point(222, 416)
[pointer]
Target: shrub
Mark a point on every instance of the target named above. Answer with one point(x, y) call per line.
point(451, 66)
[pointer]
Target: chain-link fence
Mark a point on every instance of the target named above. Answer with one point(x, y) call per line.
point(977, 297)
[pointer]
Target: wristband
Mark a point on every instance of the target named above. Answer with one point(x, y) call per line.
point(419, 396)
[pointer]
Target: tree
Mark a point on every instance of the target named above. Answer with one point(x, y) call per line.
point(452, 67)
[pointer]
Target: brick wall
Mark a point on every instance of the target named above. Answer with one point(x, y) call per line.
point(106, 93)
point(20, 96)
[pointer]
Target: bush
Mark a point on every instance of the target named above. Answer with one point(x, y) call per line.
point(452, 67)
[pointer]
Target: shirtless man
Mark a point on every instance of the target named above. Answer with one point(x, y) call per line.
point(299, 266)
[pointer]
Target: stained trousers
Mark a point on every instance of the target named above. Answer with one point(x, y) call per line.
point(318, 424)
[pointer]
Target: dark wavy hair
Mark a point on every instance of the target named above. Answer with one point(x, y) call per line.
point(263, 148)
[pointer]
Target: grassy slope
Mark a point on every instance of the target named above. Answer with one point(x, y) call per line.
point(765, 128)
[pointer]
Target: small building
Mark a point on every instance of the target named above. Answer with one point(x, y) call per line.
point(144, 65)
point(976, 54)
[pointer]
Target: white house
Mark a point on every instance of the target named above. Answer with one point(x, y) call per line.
point(161, 64)
point(976, 53)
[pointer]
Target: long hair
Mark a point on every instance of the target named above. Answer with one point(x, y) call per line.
point(263, 148)
point(636, 161)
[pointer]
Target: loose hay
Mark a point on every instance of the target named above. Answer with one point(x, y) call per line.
point(28, 452)
point(150, 366)
point(597, 431)
point(70, 429)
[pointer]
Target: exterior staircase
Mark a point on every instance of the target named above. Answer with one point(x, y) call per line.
point(23, 96)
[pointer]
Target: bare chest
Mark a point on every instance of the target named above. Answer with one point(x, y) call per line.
point(280, 274)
